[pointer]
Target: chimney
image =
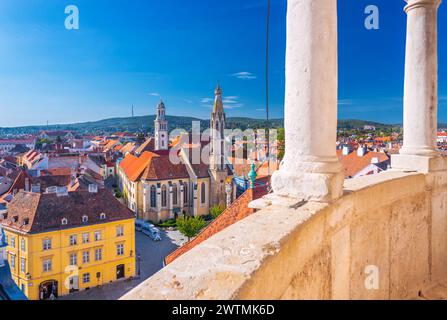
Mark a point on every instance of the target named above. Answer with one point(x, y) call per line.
point(361, 151)
point(27, 184)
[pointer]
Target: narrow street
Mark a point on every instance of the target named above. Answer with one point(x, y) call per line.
point(152, 255)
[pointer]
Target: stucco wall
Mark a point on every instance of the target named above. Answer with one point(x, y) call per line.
point(393, 221)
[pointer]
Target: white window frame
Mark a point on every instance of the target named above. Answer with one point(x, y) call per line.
point(86, 277)
point(86, 256)
point(85, 237)
point(73, 259)
point(47, 265)
point(98, 254)
point(98, 236)
point(22, 265)
point(73, 240)
point(46, 244)
point(120, 249)
point(119, 231)
point(12, 261)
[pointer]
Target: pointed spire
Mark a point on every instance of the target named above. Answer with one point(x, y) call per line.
point(218, 90)
point(218, 104)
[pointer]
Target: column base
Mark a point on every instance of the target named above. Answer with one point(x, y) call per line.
point(309, 186)
point(420, 163)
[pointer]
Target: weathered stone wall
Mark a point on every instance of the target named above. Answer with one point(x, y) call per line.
point(395, 221)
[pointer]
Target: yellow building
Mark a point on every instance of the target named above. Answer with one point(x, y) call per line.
point(61, 243)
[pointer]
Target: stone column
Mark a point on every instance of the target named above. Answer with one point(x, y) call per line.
point(182, 189)
point(171, 202)
point(310, 169)
point(146, 198)
point(158, 200)
point(421, 87)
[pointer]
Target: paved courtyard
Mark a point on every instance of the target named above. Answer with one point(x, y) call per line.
point(152, 255)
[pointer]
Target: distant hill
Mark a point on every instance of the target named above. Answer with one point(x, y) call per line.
point(146, 124)
point(142, 124)
point(359, 124)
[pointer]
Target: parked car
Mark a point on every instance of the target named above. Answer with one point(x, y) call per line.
point(139, 225)
point(151, 231)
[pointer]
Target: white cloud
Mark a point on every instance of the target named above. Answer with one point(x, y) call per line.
point(206, 100)
point(244, 75)
point(232, 102)
point(154, 94)
point(344, 102)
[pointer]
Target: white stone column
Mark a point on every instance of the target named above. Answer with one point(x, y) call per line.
point(310, 169)
point(420, 88)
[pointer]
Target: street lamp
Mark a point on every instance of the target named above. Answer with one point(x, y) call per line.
point(139, 263)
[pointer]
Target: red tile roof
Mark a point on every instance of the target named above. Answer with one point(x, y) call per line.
point(161, 168)
point(237, 211)
point(353, 164)
point(134, 166)
point(44, 212)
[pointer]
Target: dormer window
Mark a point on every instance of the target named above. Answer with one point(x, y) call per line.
point(102, 216)
point(84, 219)
point(25, 221)
point(15, 218)
point(64, 221)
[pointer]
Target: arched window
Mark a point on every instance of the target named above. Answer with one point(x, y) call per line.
point(163, 196)
point(64, 221)
point(203, 193)
point(153, 197)
point(185, 192)
point(174, 194)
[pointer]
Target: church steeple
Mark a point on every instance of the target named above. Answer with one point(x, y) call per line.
point(218, 104)
point(218, 166)
point(161, 128)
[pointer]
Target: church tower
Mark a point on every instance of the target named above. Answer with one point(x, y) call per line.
point(218, 166)
point(161, 128)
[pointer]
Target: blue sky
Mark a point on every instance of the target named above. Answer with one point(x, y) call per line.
point(134, 52)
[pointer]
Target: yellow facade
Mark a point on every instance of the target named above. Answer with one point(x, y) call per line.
point(46, 258)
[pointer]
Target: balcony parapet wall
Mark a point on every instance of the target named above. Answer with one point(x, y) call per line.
point(393, 223)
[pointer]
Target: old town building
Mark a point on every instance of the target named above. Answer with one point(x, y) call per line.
point(157, 188)
point(62, 242)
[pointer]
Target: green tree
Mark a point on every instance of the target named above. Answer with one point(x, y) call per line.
point(216, 210)
point(281, 143)
point(190, 226)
